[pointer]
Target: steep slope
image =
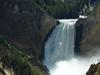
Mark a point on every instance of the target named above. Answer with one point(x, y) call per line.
point(25, 25)
point(15, 62)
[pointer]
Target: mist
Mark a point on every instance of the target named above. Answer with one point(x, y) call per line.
point(74, 66)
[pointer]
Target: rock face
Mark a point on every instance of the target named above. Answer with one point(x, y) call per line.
point(88, 33)
point(94, 69)
point(24, 25)
point(15, 62)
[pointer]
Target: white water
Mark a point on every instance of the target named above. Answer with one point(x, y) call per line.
point(82, 16)
point(59, 51)
point(74, 66)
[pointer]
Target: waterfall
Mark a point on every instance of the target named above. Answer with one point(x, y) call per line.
point(59, 51)
point(60, 45)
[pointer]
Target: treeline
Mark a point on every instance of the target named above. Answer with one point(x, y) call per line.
point(63, 8)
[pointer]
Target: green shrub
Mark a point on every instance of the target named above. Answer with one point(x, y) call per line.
point(59, 9)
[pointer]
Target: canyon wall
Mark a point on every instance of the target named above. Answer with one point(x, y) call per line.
point(88, 33)
point(25, 25)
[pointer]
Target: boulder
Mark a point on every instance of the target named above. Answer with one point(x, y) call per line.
point(94, 69)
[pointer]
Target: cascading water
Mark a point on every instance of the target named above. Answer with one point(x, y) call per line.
point(60, 45)
point(59, 51)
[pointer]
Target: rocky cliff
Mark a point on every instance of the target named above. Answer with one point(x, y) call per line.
point(88, 33)
point(23, 28)
point(25, 25)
